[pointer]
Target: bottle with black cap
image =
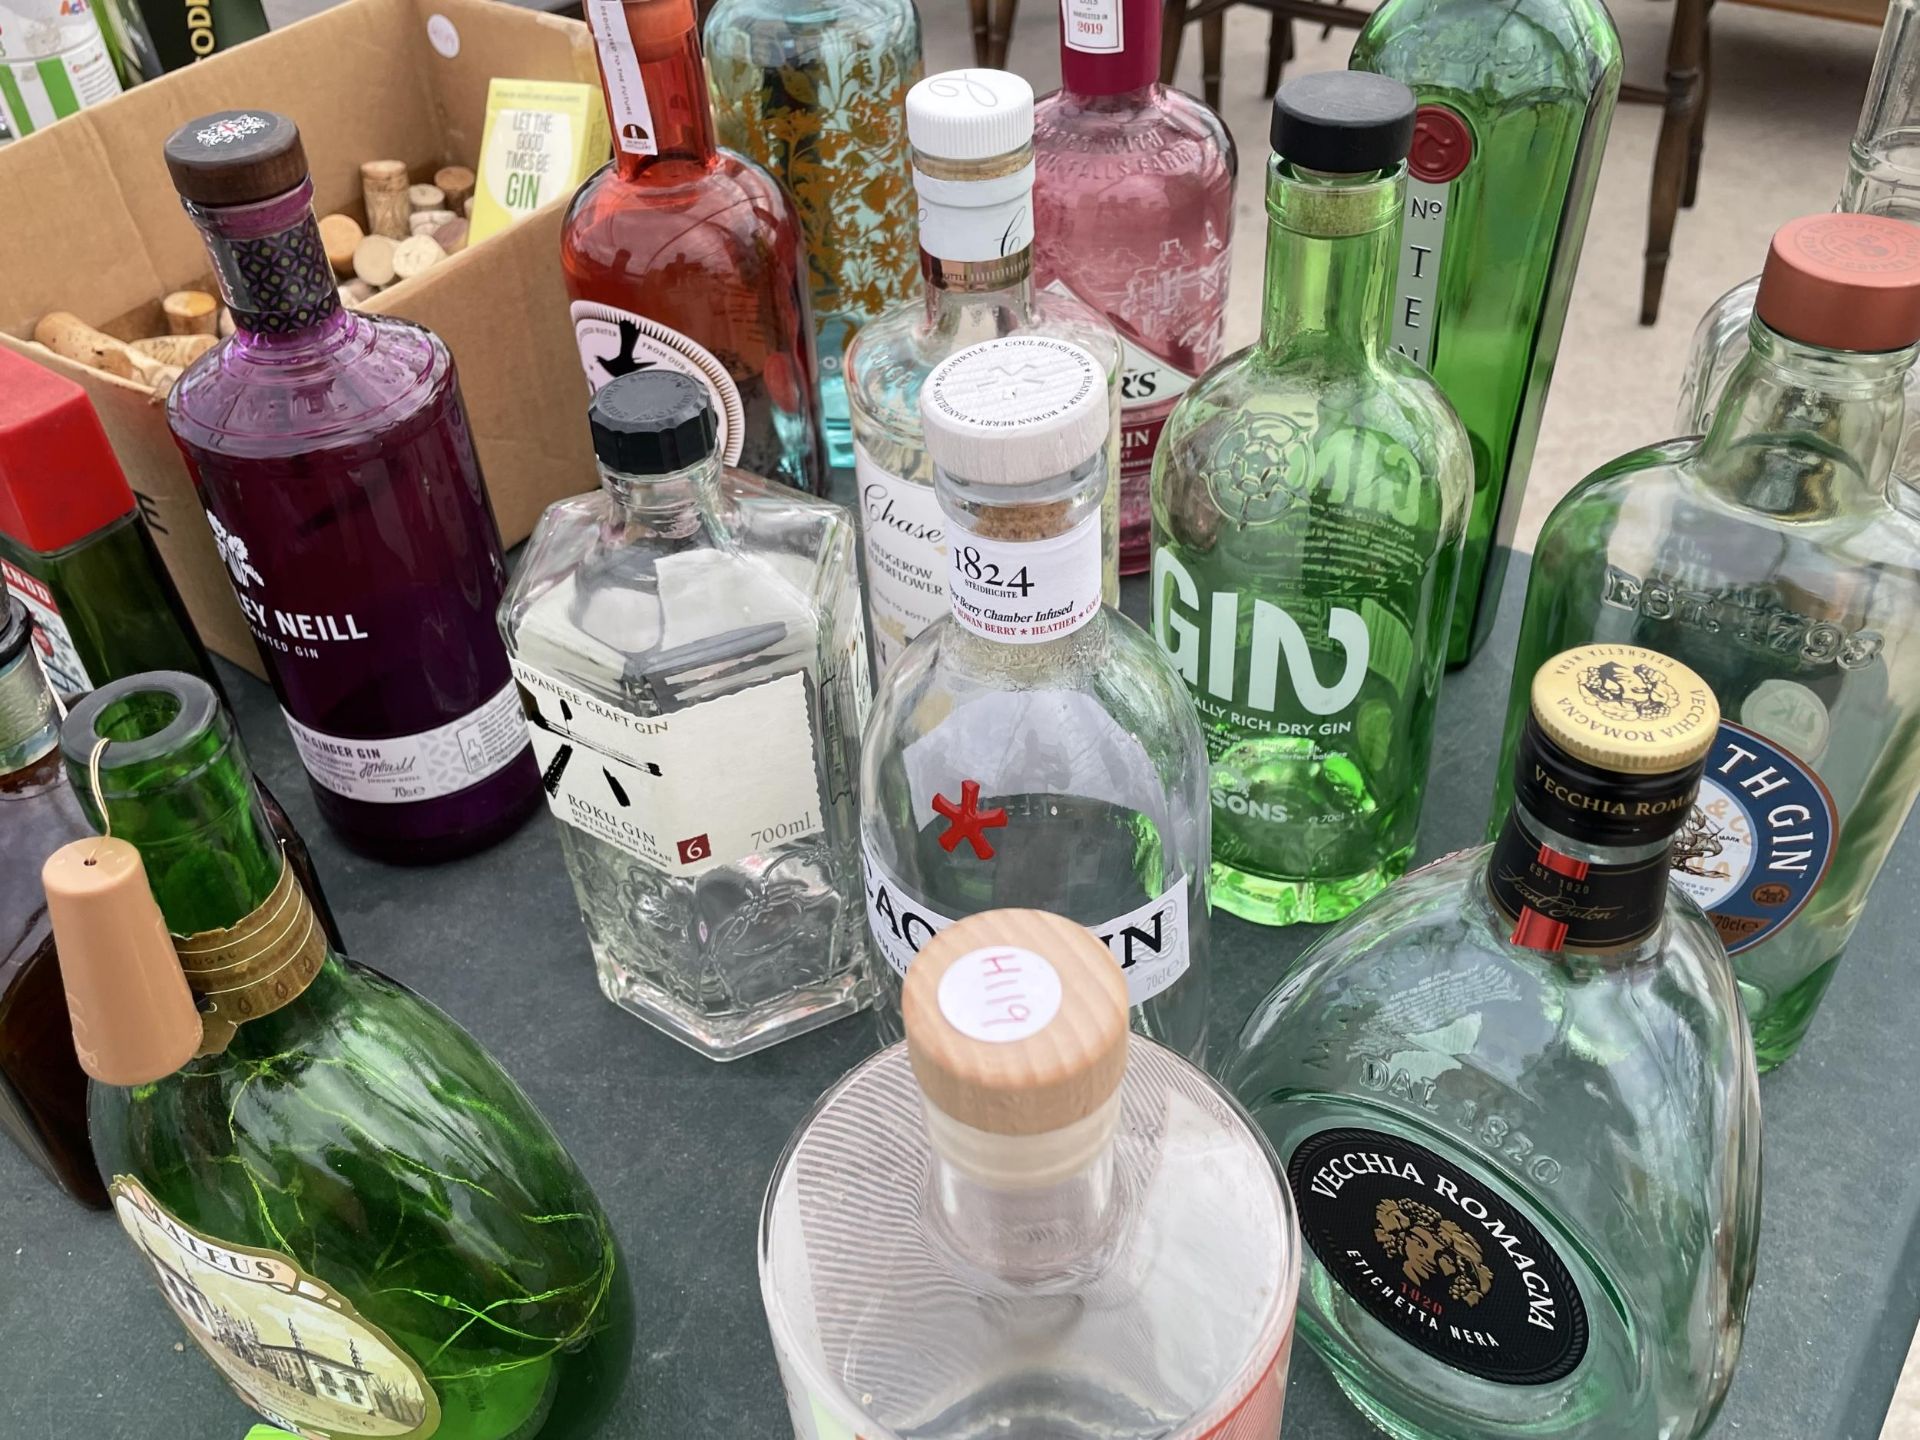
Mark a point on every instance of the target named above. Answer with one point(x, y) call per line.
point(1516, 1098)
point(688, 647)
point(1310, 500)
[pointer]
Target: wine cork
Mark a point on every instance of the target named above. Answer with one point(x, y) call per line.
point(466, 208)
point(428, 220)
point(420, 253)
point(180, 350)
point(227, 327)
point(355, 292)
point(383, 185)
point(456, 183)
point(425, 197)
point(452, 236)
point(373, 259)
point(191, 312)
point(341, 234)
point(69, 336)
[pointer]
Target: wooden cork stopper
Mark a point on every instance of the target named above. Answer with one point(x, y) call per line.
point(427, 221)
point(383, 185)
point(373, 259)
point(181, 350)
point(191, 312)
point(425, 197)
point(355, 293)
point(456, 183)
point(1016, 1023)
point(67, 335)
point(452, 236)
point(341, 234)
point(418, 254)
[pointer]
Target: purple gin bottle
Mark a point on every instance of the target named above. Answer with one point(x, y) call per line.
point(332, 454)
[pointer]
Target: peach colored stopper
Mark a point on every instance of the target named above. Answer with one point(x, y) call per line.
point(1843, 282)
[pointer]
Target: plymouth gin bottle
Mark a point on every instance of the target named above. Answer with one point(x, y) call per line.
point(1033, 748)
point(1133, 213)
point(1057, 1229)
point(332, 453)
point(973, 168)
point(689, 650)
point(1516, 1099)
point(1780, 557)
point(1515, 101)
point(1309, 500)
point(355, 1214)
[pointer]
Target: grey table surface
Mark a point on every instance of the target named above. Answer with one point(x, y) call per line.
point(679, 1148)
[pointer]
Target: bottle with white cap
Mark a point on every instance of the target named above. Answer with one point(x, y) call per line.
point(1034, 747)
point(971, 133)
point(1058, 1228)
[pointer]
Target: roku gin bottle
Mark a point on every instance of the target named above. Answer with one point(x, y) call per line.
point(331, 451)
point(1034, 748)
point(688, 645)
point(1026, 1222)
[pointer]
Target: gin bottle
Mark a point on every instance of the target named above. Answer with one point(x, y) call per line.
point(1516, 1099)
point(1515, 101)
point(1133, 213)
point(1780, 557)
point(363, 1223)
point(1034, 748)
point(973, 169)
point(689, 651)
point(1058, 1229)
point(817, 94)
point(1310, 497)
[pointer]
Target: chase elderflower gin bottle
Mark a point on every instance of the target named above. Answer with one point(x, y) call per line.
point(1310, 498)
point(688, 648)
point(1034, 748)
point(1059, 1228)
point(1516, 1099)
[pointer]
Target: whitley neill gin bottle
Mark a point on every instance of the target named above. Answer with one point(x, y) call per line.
point(332, 453)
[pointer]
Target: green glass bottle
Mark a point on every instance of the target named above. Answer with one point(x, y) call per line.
point(1515, 101)
point(362, 1221)
point(1309, 500)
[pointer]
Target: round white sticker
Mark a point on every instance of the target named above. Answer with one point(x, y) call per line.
point(443, 36)
point(1001, 993)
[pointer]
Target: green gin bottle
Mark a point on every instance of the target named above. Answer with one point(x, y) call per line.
point(359, 1218)
point(1515, 101)
point(1309, 502)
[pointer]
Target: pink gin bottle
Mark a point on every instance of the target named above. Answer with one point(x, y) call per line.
point(1133, 213)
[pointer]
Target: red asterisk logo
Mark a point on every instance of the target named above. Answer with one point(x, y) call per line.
point(970, 822)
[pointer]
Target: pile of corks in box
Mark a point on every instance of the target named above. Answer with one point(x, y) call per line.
point(410, 228)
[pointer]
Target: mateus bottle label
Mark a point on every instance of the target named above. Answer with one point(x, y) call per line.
point(291, 1347)
point(1440, 1259)
point(1442, 150)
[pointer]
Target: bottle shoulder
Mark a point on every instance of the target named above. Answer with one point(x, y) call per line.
point(1486, 57)
point(644, 223)
point(1167, 133)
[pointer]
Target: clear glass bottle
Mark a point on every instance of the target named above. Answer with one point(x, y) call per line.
point(1517, 1103)
point(1515, 103)
point(1780, 557)
point(973, 168)
point(816, 91)
point(1034, 747)
point(1058, 1229)
point(332, 453)
point(357, 1216)
point(1310, 498)
point(1133, 214)
point(684, 255)
point(54, 60)
point(1883, 178)
point(689, 650)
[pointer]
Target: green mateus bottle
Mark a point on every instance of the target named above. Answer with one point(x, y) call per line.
point(362, 1221)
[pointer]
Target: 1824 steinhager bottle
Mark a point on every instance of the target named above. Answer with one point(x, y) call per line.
point(1780, 557)
point(359, 1218)
point(1516, 1100)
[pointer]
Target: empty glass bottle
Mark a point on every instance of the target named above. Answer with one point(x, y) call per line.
point(1034, 748)
point(1780, 557)
point(1309, 501)
point(1517, 1103)
point(1056, 1229)
point(688, 645)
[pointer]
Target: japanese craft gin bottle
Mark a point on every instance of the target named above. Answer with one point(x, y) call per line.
point(973, 168)
point(1034, 747)
point(1780, 557)
point(1515, 101)
point(1516, 1099)
point(689, 649)
point(685, 256)
point(1309, 500)
point(816, 93)
point(359, 1218)
point(1133, 214)
point(1058, 1229)
point(331, 451)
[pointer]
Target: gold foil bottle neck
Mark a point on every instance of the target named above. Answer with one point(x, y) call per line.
point(1625, 709)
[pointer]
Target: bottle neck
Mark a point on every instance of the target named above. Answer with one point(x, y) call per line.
point(666, 508)
point(1883, 159)
point(976, 232)
point(29, 719)
point(1109, 47)
point(1593, 903)
point(271, 266)
point(1023, 561)
point(654, 83)
point(1330, 258)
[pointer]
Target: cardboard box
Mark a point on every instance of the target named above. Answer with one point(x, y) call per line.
point(92, 225)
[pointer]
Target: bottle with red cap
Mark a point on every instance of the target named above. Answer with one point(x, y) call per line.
point(74, 545)
point(1779, 556)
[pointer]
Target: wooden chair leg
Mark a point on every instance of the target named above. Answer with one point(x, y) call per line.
point(1684, 49)
point(1171, 29)
point(1696, 139)
point(1213, 38)
point(1279, 49)
point(978, 13)
point(999, 32)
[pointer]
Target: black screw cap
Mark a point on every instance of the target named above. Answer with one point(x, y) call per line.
point(1344, 122)
point(652, 422)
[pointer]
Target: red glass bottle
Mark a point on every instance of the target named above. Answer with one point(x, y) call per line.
point(682, 254)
